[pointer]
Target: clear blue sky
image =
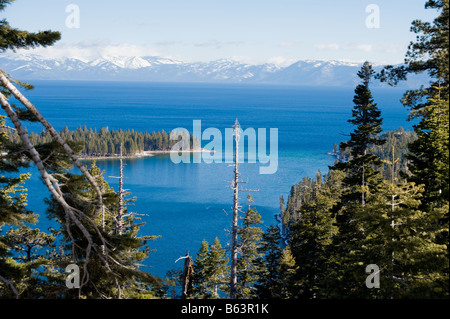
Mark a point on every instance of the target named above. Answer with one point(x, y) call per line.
point(253, 31)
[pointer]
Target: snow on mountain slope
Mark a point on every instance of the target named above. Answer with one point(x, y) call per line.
point(160, 69)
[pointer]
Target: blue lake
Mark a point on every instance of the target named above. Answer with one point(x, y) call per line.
point(186, 203)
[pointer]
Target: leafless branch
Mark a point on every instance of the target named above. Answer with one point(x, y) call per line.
point(11, 286)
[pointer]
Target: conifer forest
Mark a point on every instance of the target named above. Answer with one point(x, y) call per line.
point(374, 225)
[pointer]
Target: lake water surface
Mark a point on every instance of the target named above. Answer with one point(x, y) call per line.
point(186, 203)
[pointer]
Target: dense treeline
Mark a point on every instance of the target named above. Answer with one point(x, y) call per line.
point(107, 142)
point(395, 146)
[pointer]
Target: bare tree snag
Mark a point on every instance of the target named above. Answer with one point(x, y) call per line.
point(121, 193)
point(234, 228)
point(11, 286)
point(188, 270)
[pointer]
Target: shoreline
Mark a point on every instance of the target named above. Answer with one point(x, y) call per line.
point(141, 155)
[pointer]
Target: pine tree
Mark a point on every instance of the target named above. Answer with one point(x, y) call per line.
point(361, 167)
point(311, 237)
point(13, 211)
point(12, 195)
point(362, 180)
point(287, 268)
point(269, 276)
point(200, 278)
point(116, 275)
point(219, 276)
point(32, 252)
point(430, 54)
point(250, 262)
point(429, 154)
point(12, 39)
point(211, 271)
point(400, 239)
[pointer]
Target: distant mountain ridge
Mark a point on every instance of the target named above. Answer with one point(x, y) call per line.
point(159, 69)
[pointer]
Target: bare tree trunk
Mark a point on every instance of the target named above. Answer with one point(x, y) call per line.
point(120, 210)
point(234, 229)
point(188, 270)
point(363, 201)
point(11, 286)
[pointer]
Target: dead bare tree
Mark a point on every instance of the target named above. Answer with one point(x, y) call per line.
point(120, 210)
point(236, 208)
point(11, 286)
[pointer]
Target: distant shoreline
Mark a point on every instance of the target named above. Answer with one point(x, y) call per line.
point(141, 155)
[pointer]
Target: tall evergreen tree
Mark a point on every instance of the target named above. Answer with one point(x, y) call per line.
point(211, 271)
point(250, 262)
point(201, 284)
point(362, 180)
point(13, 211)
point(269, 277)
point(220, 274)
point(312, 235)
point(400, 239)
point(429, 154)
point(13, 197)
point(361, 168)
point(287, 268)
point(428, 53)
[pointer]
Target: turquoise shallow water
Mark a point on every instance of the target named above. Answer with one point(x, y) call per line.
point(186, 203)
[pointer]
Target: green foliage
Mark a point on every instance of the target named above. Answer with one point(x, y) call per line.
point(122, 278)
point(311, 235)
point(428, 53)
point(399, 140)
point(269, 279)
point(400, 239)
point(361, 168)
point(250, 262)
point(362, 180)
point(19, 274)
point(12, 39)
point(429, 153)
point(211, 271)
point(106, 142)
point(429, 157)
point(395, 215)
point(13, 212)
point(287, 269)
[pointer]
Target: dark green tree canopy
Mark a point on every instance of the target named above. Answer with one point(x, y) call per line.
point(12, 38)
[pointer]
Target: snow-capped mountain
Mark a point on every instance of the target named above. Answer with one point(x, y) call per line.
point(159, 69)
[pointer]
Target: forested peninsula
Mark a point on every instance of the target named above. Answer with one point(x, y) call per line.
point(106, 143)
